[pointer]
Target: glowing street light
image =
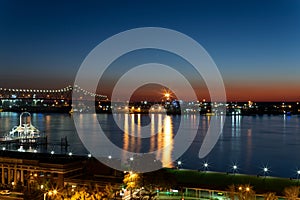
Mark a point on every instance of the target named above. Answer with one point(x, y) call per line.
point(179, 163)
point(265, 170)
point(50, 193)
point(205, 166)
point(167, 95)
point(234, 168)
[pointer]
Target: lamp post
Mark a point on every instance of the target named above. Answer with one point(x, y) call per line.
point(245, 192)
point(167, 95)
point(47, 193)
point(179, 163)
point(50, 193)
point(266, 170)
point(205, 166)
point(234, 168)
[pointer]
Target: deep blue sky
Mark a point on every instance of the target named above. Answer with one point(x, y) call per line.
point(255, 44)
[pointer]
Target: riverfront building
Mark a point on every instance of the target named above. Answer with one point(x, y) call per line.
point(29, 167)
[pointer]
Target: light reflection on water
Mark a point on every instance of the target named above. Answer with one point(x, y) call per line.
point(249, 141)
point(160, 136)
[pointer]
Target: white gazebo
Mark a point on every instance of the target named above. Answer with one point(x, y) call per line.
point(25, 128)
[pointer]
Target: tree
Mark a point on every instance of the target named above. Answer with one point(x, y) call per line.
point(243, 192)
point(270, 196)
point(109, 191)
point(132, 180)
point(291, 193)
point(84, 193)
point(145, 185)
point(231, 192)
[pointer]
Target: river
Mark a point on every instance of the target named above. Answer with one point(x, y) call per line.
point(249, 142)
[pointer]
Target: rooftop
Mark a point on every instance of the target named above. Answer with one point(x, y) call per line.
point(42, 157)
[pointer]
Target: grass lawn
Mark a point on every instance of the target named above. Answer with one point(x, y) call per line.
point(221, 181)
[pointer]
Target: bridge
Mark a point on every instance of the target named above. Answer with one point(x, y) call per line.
point(13, 99)
point(64, 93)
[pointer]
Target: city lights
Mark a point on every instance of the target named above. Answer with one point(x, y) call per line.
point(155, 100)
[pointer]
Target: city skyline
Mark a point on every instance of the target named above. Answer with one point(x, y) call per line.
point(254, 44)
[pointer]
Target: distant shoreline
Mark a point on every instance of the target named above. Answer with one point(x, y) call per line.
point(174, 107)
point(146, 113)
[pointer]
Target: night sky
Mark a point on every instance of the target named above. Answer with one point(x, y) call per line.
point(255, 44)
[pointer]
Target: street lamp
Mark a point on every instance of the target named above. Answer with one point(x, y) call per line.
point(234, 168)
point(179, 163)
point(47, 193)
point(205, 166)
point(50, 193)
point(167, 95)
point(245, 192)
point(266, 170)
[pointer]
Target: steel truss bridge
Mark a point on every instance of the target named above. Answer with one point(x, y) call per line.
point(58, 94)
point(35, 99)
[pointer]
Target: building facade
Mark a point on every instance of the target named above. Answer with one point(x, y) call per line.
point(24, 168)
